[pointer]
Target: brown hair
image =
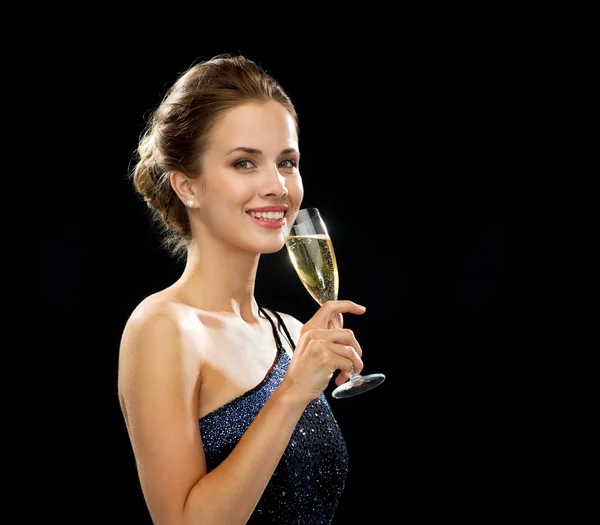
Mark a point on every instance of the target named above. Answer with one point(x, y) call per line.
point(177, 131)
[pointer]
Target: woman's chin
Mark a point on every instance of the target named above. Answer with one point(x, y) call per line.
point(272, 247)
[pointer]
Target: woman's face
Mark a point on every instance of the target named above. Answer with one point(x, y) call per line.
point(250, 183)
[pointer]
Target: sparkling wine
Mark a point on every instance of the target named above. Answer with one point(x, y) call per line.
point(314, 261)
point(311, 251)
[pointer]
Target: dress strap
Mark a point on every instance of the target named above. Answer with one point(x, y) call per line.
point(281, 324)
point(275, 332)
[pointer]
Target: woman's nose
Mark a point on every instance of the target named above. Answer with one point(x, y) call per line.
point(275, 184)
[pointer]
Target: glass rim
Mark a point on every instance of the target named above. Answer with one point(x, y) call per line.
point(303, 216)
point(311, 212)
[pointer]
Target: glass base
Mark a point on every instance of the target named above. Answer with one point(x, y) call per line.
point(357, 385)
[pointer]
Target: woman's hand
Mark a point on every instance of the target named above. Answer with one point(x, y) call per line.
point(324, 346)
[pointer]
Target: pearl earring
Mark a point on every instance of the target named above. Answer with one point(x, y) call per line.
point(190, 203)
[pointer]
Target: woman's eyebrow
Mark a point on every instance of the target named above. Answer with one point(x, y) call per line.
point(254, 151)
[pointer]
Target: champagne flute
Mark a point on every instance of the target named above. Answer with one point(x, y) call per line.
point(311, 251)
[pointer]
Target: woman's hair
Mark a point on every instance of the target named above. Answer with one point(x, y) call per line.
point(177, 131)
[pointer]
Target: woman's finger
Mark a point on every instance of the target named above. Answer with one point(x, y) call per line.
point(341, 337)
point(350, 362)
point(332, 308)
point(337, 321)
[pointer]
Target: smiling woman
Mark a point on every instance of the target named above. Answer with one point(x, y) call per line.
point(223, 399)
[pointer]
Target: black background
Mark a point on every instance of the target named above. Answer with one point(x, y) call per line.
point(402, 150)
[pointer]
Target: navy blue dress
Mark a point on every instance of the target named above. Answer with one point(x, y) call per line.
point(307, 484)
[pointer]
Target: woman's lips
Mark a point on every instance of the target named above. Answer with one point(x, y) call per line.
point(272, 224)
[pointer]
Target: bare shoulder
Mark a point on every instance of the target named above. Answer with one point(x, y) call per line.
point(154, 345)
point(154, 316)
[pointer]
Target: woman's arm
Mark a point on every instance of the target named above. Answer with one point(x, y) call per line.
point(158, 390)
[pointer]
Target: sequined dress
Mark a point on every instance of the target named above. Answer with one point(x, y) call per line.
point(308, 482)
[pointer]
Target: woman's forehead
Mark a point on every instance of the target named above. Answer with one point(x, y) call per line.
point(261, 126)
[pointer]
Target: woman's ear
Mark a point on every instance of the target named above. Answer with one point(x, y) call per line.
point(183, 187)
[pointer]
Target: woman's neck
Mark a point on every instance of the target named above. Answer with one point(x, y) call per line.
point(220, 282)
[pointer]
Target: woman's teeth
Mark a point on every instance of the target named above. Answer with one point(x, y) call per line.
point(267, 215)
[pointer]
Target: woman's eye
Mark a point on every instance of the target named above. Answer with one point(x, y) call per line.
point(245, 164)
point(288, 164)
